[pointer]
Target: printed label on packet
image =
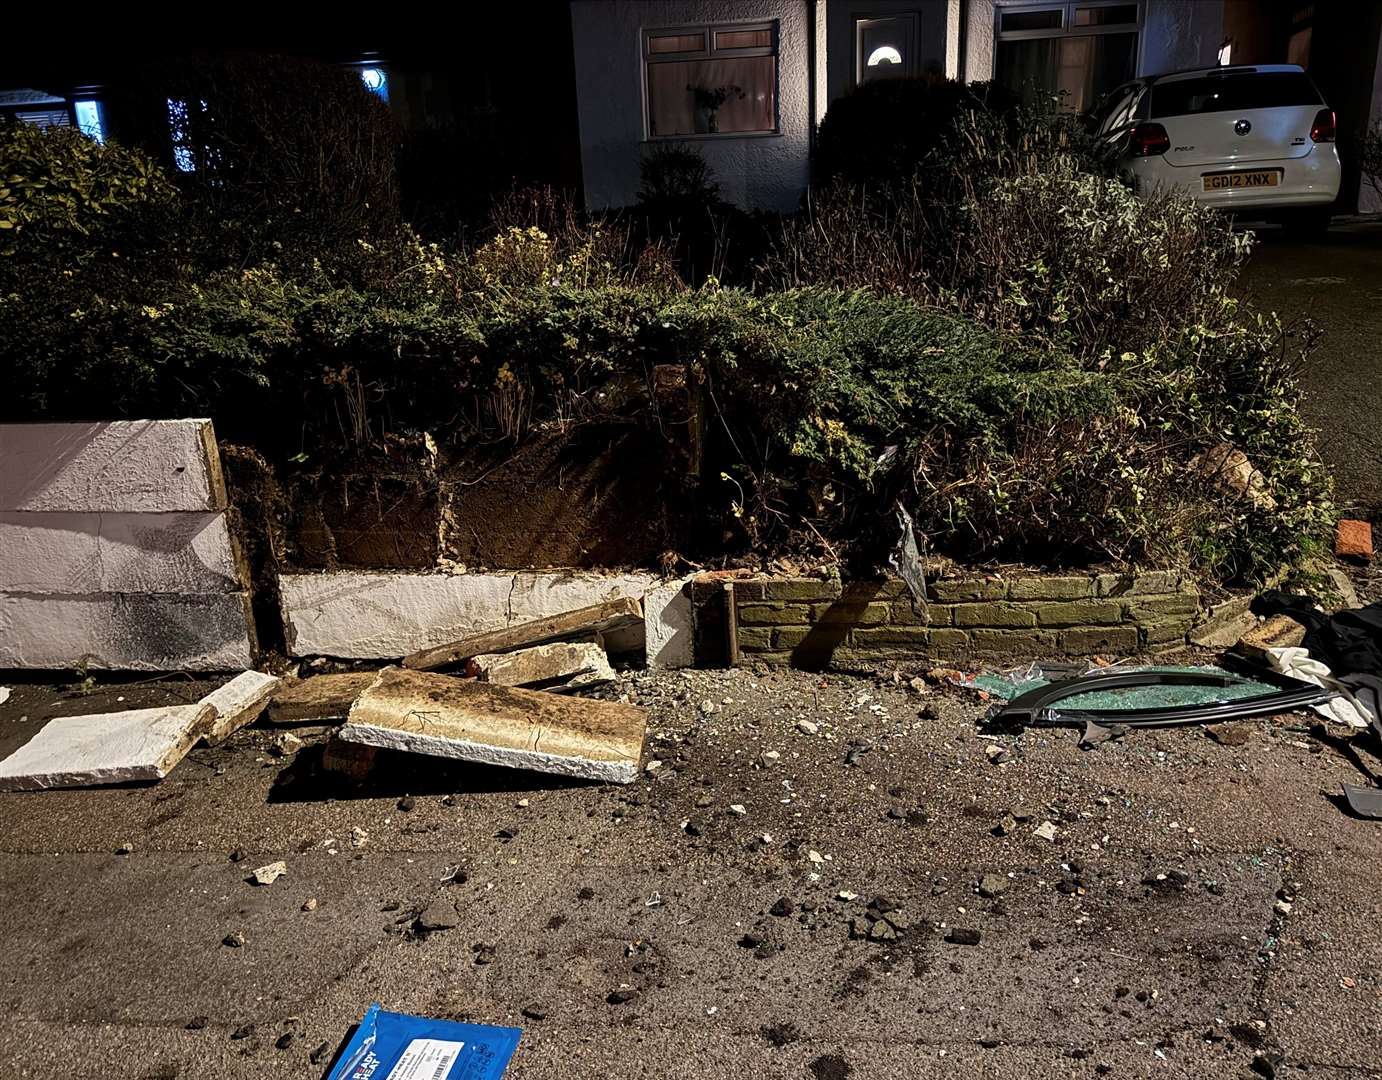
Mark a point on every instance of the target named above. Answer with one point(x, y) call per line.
point(426, 1059)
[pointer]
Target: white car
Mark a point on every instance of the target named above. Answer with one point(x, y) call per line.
point(1252, 140)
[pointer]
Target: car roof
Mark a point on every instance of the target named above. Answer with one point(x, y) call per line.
point(1233, 69)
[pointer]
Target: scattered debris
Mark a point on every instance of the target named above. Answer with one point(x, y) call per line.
point(808, 727)
point(358, 837)
point(125, 848)
point(427, 713)
point(286, 745)
point(962, 935)
point(310, 904)
point(238, 703)
point(1364, 801)
point(1231, 734)
point(322, 697)
point(105, 748)
point(559, 666)
point(233, 940)
point(1096, 733)
point(1277, 632)
point(4, 694)
point(992, 885)
point(1046, 831)
point(1353, 540)
point(1228, 469)
point(584, 622)
point(394, 1044)
point(440, 914)
point(267, 875)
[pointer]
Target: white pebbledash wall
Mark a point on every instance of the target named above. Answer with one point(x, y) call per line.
point(115, 550)
point(760, 171)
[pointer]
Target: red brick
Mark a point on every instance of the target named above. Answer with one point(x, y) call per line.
point(1353, 540)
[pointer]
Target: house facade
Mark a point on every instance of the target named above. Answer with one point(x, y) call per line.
point(748, 81)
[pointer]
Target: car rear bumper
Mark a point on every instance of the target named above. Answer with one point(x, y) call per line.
point(1312, 180)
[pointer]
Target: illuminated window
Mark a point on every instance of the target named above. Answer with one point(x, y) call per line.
point(885, 48)
point(711, 80)
point(89, 119)
point(376, 81)
point(1074, 51)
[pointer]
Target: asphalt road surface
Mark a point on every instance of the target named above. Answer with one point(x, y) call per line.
point(1202, 903)
point(1337, 282)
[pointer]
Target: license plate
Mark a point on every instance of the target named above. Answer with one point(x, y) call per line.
point(1232, 181)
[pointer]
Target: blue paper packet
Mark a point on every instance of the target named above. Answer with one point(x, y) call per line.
point(395, 1046)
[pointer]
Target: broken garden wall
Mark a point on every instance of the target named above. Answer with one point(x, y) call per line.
point(116, 550)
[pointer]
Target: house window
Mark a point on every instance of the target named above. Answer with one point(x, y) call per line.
point(711, 80)
point(90, 119)
point(1075, 51)
point(885, 48)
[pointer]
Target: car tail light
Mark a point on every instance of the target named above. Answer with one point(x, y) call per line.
point(1149, 140)
point(1322, 130)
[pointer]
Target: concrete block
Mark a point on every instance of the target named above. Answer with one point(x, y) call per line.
point(238, 703)
point(127, 631)
point(582, 624)
point(80, 553)
point(943, 640)
point(132, 466)
point(1224, 623)
point(1146, 608)
point(916, 637)
point(994, 615)
point(105, 748)
point(774, 614)
point(438, 715)
point(1099, 639)
point(320, 697)
point(569, 664)
point(1277, 632)
point(1166, 631)
point(1080, 613)
point(759, 638)
point(1067, 587)
point(1139, 584)
point(668, 626)
point(379, 616)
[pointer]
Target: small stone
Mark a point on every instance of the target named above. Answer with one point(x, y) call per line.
point(244, 1031)
point(237, 856)
point(448, 800)
point(808, 727)
point(1021, 813)
point(694, 827)
point(484, 954)
point(438, 915)
point(310, 904)
point(769, 759)
point(286, 745)
point(622, 997)
point(815, 857)
point(737, 808)
point(707, 707)
point(992, 885)
point(267, 875)
point(1007, 825)
point(509, 832)
point(1046, 831)
point(883, 903)
point(999, 755)
point(1282, 908)
point(358, 837)
point(703, 801)
point(522, 804)
point(233, 940)
point(534, 1012)
point(320, 1052)
point(197, 1023)
point(285, 1040)
point(407, 803)
point(962, 935)
point(782, 908)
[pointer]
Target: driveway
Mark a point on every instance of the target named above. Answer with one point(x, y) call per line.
point(1337, 282)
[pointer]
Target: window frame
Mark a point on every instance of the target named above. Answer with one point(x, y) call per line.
point(1067, 28)
point(708, 51)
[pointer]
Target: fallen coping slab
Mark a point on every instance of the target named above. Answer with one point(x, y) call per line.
point(596, 619)
point(106, 748)
point(238, 703)
point(320, 697)
point(442, 716)
point(572, 665)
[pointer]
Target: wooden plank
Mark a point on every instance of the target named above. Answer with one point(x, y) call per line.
point(321, 697)
point(83, 553)
point(134, 466)
point(442, 716)
point(731, 625)
point(127, 631)
point(105, 748)
point(597, 619)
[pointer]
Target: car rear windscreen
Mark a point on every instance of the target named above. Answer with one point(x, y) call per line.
point(1233, 93)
